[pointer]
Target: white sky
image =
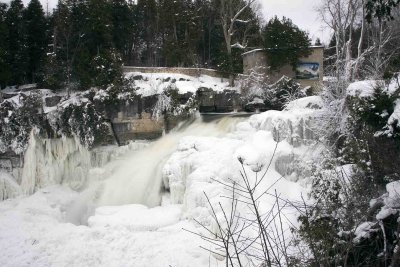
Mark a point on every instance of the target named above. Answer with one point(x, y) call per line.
point(301, 12)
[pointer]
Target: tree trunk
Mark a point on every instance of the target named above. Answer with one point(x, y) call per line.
point(360, 44)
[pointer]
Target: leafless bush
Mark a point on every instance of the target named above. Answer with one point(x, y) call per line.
point(254, 84)
point(249, 236)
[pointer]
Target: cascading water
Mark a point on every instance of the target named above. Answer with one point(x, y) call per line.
point(136, 177)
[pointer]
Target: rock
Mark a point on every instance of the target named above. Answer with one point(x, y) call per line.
point(6, 165)
point(137, 77)
point(257, 104)
point(184, 98)
point(206, 99)
point(148, 103)
point(52, 101)
point(226, 101)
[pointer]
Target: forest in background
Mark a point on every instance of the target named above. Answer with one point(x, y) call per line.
point(79, 37)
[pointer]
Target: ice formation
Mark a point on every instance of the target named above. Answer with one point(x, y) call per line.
point(54, 161)
point(201, 163)
point(8, 187)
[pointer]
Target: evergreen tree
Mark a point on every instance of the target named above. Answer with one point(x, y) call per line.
point(285, 43)
point(122, 21)
point(98, 34)
point(36, 40)
point(146, 24)
point(5, 73)
point(16, 42)
point(380, 9)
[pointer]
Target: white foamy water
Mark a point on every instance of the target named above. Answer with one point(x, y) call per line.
point(138, 176)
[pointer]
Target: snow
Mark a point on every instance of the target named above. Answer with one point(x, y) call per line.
point(33, 233)
point(362, 88)
point(392, 199)
point(313, 102)
point(156, 83)
point(47, 229)
point(329, 79)
point(366, 88)
point(390, 202)
point(395, 116)
point(363, 231)
point(135, 217)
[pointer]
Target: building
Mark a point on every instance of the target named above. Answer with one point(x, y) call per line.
point(308, 73)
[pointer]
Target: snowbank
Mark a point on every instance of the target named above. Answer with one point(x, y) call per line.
point(155, 83)
point(33, 232)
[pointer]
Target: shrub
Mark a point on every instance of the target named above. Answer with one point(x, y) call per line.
point(18, 117)
point(282, 92)
point(83, 121)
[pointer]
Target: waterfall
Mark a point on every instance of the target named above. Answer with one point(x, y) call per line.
point(138, 176)
point(134, 175)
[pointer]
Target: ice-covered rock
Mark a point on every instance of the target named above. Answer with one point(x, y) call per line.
point(204, 165)
point(292, 125)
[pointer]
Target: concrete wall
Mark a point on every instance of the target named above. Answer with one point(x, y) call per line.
point(194, 72)
point(257, 60)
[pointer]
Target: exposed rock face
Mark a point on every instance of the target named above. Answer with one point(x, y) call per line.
point(227, 101)
point(11, 163)
point(140, 128)
point(221, 102)
point(206, 100)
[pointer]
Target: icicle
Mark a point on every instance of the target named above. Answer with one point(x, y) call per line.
point(54, 161)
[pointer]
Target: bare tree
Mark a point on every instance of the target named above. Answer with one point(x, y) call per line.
point(249, 235)
point(383, 40)
point(233, 12)
point(341, 16)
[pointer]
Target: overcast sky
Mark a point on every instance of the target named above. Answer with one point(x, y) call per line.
point(302, 13)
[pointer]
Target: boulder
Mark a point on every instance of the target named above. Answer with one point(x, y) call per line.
point(257, 104)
